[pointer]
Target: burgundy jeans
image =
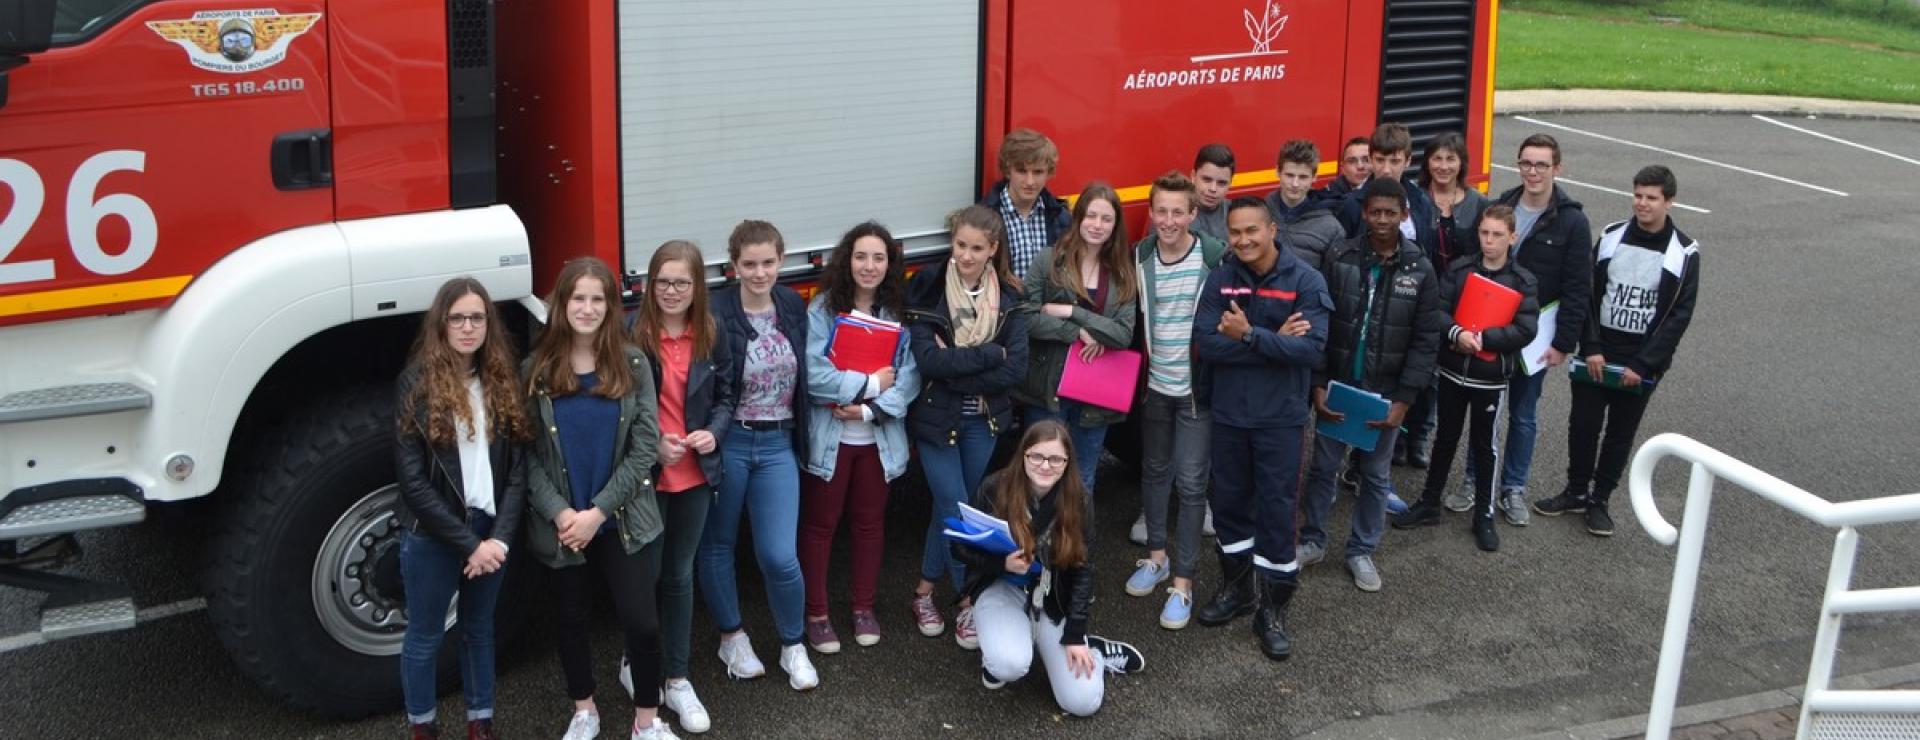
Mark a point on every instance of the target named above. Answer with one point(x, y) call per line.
point(858, 489)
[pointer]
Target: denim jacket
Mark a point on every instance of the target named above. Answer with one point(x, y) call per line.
point(828, 386)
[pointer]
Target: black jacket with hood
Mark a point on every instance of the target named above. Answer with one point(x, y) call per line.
point(1504, 341)
point(1404, 324)
point(1558, 252)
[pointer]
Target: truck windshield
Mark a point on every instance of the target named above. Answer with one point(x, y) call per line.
point(75, 20)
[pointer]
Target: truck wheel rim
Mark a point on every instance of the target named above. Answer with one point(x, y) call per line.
point(347, 597)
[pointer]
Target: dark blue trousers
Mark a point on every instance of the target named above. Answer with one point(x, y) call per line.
point(1256, 485)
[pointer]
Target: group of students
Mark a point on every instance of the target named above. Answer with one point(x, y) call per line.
point(631, 447)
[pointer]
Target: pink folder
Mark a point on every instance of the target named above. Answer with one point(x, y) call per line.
point(1107, 382)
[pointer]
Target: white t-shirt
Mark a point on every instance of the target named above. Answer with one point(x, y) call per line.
point(476, 468)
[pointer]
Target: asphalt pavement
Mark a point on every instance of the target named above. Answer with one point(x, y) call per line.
point(1800, 360)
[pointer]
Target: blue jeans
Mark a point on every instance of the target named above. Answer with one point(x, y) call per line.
point(761, 479)
point(953, 473)
point(430, 570)
point(1088, 442)
point(1523, 395)
point(1369, 503)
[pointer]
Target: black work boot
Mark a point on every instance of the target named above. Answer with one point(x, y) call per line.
point(1236, 597)
point(1270, 621)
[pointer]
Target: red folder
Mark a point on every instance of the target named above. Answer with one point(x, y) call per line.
point(863, 344)
point(1485, 304)
point(1107, 382)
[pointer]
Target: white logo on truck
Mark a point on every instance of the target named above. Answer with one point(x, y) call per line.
point(1263, 30)
point(236, 41)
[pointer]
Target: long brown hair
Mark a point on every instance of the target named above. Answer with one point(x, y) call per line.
point(551, 366)
point(1114, 256)
point(442, 386)
point(838, 282)
point(1013, 492)
point(988, 221)
point(646, 330)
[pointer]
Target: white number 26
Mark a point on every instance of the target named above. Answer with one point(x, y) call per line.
point(84, 214)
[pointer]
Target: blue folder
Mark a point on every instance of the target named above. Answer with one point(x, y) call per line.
point(988, 540)
point(1360, 407)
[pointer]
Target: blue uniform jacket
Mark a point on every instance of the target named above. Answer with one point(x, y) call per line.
point(1265, 381)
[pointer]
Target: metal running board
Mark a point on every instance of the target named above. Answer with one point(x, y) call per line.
point(72, 617)
point(70, 506)
point(63, 401)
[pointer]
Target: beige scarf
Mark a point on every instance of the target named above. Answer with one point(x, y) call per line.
point(975, 319)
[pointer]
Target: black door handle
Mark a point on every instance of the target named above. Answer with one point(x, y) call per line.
point(302, 160)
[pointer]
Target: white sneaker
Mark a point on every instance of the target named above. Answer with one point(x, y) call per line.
point(626, 676)
point(585, 726)
point(1206, 525)
point(679, 697)
point(800, 673)
point(737, 653)
point(1138, 535)
point(658, 731)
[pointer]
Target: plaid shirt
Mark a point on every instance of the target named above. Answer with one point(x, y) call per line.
point(1025, 236)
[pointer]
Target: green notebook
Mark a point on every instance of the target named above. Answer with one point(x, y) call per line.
point(1611, 376)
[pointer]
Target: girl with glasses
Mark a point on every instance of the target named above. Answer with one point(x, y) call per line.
point(1020, 610)
point(463, 483)
point(693, 372)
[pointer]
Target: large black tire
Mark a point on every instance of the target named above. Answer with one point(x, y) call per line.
point(311, 495)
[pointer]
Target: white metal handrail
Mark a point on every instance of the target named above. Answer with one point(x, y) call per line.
point(1710, 464)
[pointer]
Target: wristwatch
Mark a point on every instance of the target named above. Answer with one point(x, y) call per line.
point(1247, 337)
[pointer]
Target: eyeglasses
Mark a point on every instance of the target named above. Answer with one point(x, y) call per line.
point(1050, 461)
point(681, 285)
point(1525, 166)
point(456, 320)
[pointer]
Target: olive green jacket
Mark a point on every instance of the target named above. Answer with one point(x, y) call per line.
point(627, 500)
point(1050, 340)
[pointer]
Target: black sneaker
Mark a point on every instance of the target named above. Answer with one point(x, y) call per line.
point(1565, 503)
point(1116, 656)
point(987, 680)
point(1599, 523)
point(1422, 513)
point(1484, 534)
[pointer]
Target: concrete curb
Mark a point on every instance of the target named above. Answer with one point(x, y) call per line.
point(1516, 102)
point(1715, 711)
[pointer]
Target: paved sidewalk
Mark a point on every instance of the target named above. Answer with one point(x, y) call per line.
point(1773, 724)
point(1506, 102)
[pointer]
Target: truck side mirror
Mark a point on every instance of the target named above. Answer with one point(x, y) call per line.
point(26, 27)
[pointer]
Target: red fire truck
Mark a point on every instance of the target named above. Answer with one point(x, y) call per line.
point(221, 219)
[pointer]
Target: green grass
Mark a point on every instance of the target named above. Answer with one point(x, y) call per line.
point(1618, 46)
point(1888, 24)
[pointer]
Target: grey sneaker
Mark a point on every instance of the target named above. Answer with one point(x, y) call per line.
point(1459, 499)
point(1308, 553)
point(1513, 506)
point(1365, 576)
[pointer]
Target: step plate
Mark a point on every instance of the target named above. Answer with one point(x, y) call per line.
point(73, 514)
point(72, 400)
point(88, 618)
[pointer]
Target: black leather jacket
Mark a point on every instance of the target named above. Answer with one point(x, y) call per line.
point(1068, 602)
point(432, 499)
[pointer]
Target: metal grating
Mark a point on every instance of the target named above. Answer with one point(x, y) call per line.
point(469, 28)
point(1426, 71)
point(1864, 726)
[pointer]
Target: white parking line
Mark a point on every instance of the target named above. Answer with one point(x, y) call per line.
point(1837, 140)
point(142, 616)
point(1605, 189)
point(1682, 155)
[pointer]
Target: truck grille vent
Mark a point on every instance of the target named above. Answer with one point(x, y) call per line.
point(467, 44)
point(1427, 68)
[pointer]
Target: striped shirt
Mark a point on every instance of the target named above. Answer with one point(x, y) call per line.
point(1176, 295)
